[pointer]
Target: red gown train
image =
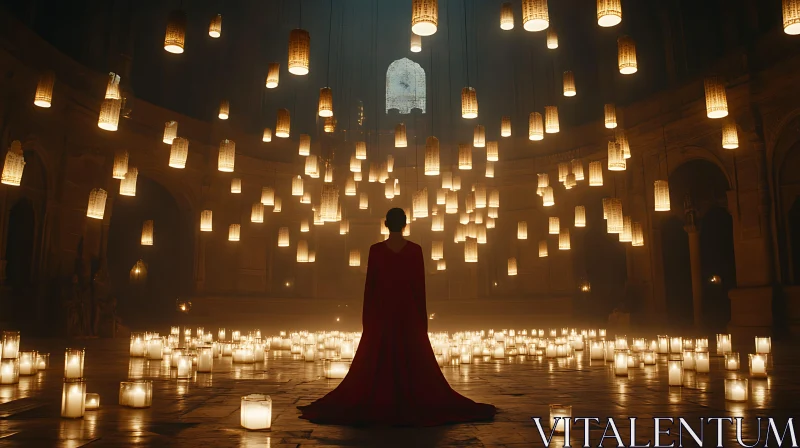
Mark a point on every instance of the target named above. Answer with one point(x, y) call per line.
point(394, 378)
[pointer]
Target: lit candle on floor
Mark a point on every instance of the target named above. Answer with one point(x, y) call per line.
point(758, 365)
point(675, 373)
point(732, 361)
point(701, 362)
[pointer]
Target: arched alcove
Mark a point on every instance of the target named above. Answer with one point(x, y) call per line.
point(169, 260)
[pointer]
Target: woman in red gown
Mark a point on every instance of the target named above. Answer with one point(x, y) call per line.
point(394, 378)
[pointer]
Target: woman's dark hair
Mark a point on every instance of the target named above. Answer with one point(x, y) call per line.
point(396, 219)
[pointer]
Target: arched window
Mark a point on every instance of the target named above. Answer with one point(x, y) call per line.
point(405, 86)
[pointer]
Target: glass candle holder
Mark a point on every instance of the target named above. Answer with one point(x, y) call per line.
point(43, 361)
point(701, 362)
point(205, 359)
point(227, 349)
point(155, 349)
point(137, 349)
point(763, 345)
point(136, 394)
point(621, 342)
point(689, 360)
point(649, 357)
point(336, 368)
point(736, 389)
point(184, 367)
point(688, 344)
point(601, 333)
point(675, 373)
point(559, 415)
point(174, 357)
point(621, 362)
point(633, 360)
point(663, 344)
point(701, 344)
point(236, 335)
point(28, 364)
point(10, 348)
point(73, 363)
point(610, 349)
point(676, 345)
point(92, 402)
point(724, 344)
point(256, 412)
point(597, 351)
point(638, 345)
point(221, 334)
point(347, 351)
point(175, 330)
point(758, 365)
point(9, 371)
point(243, 355)
point(309, 352)
point(73, 398)
point(732, 361)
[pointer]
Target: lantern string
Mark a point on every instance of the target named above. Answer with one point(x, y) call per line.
point(449, 76)
point(466, 43)
point(666, 156)
point(300, 3)
point(377, 85)
point(330, 43)
point(533, 78)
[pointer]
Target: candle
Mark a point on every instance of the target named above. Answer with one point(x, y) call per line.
point(10, 347)
point(621, 362)
point(43, 361)
point(256, 412)
point(649, 358)
point(723, 344)
point(688, 360)
point(310, 352)
point(155, 348)
point(136, 394)
point(28, 364)
point(338, 368)
point(137, 397)
point(184, 367)
point(763, 344)
point(9, 371)
point(205, 359)
point(73, 363)
point(735, 389)
point(73, 399)
point(550, 351)
point(676, 345)
point(758, 365)
point(561, 413)
point(732, 361)
point(92, 402)
point(596, 351)
point(610, 348)
point(675, 373)
point(663, 345)
point(701, 362)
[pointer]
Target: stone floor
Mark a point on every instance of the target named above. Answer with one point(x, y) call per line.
point(205, 410)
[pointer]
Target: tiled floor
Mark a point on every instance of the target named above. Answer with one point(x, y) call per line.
point(204, 411)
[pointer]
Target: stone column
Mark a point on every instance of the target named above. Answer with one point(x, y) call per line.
point(697, 273)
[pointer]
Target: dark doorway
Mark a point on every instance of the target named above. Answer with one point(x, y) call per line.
point(19, 258)
point(606, 263)
point(719, 267)
point(677, 271)
point(794, 233)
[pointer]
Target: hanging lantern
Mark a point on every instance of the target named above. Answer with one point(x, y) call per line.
point(661, 190)
point(441, 196)
point(302, 251)
point(127, 187)
point(355, 164)
point(44, 90)
point(596, 174)
point(227, 156)
point(447, 180)
point(109, 114)
point(236, 185)
point(610, 116)
point(451, 205)
point(490, 222)
point(577, 169)
point(464, 157)
point(569, 84)
point(283, 237)
point(97, 203)
point(138, 273)
point(441, 265)
point(329, 125)
point(506, 17)
point(178, 153)
point(297, 186)
point(489, 169)
point(276, 208)
point(361, 150)
point(206, 221)
point(224, 110)
point(175, 37)
point(299, 51)
point(328, 173)
point(616, 158)
point(730, 135)
point(637, 234)
point(273, 75)
point(363, 201)
point(563, 170)
point(554, 225)
point(147, 233)
point(492, 152)
point(112, 88)
point(791, 17)
point(456, 183)
point(304, 147)
point(563, 239)
point(535, 127)
point(626, 236)
point(304, 227)
point(420, 203)
point(234, 231)
point(580, 216)
point(120, 164)
point(551, 119)
point(325, 102)
point(522, 230)
point(606, 202)
point(355, 258)
point(350, 187)
point(416, 43)
point(622, 140)
point(512, 266)
point(389, 190)
point(424, 17)
point(480, 195)
point(267, 196)
point(627, 55)
point(283, 123)
point(432, 156)
point(437, 250)
point(542, 248)
point(330, 203)
point(543, 180)
point(170, 131)
point(312, 166)
point(437, 223)
point(215, 27)
point(552, 39)
point(614, 221)
point(494, 199)
point(570, 181)
point(471, 251)
point(390, 163)
point(609, 13)
point(15, 164)
point(267, 136)
point(479, 137)
point(505, 126)
point(344, 227)
point(461, 234)
point(257, 213)
point(400, 140)
point(534, 15)
point(548, 200)
point(716, 98)
point(469, 103)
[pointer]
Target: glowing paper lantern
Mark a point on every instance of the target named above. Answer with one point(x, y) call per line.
point(554, 225)
point(627, 55)
point(563, 171)
point(224, 110)
point(267, 136)
point(416, 43)
point(469, 103)
point(506, 17)
point(505, 126)
point(489, 169)
point(420, 203)
point(44, 90)
point(479, 136)
point(661, 191)
point(361, 150)
point(175, 37)
point(215, 27)
point(522, 230)
point(437, 223)
point(329, 125)
point(227, 156)
point(512, 266)
point(791, 17)
point(577, 169)
point(127, 187)
point(637, 234)
point(355, 164)
point(355, 258)
point(147, 233)
point(170, 131)
point(344, 227)
point(580, 216)
point(610, 112)
point(441, 265)
point(363, 201)
point(424, 17)
point(534, 15)
point(297, 186)
point(609, 13)
point(616, 158)
point(716, 98)
point(256, 412)
point(325, 108)
point(178, 153)
point(109, 114)
point(97, 203)
point(471, 251)
point(257, 213)
point(622, 141)
point(626, 236)
point(276, 208)
point(551, 125)
point(563, 239)
point(206, 221)
point(312, 166)
point(432, 156)
point(464, 157)
point(236, 185)
point(14, 165)
point(542, 248)
point(535, 127)
point(273, 75)
point(299, 51)
point(548, 199)
point(400, 140)
point(596, 174)
point(234, 231)
point(730, 135)
point(614, 219)
point(304, 147)
point(267, 195)
point(283, 237)
point(437, 250)
point(330, 203)
point(283, 123)
point(552, 39)
point(302, 251)
point(569, 84)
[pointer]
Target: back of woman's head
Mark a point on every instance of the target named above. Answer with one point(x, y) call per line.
point(396, 219)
